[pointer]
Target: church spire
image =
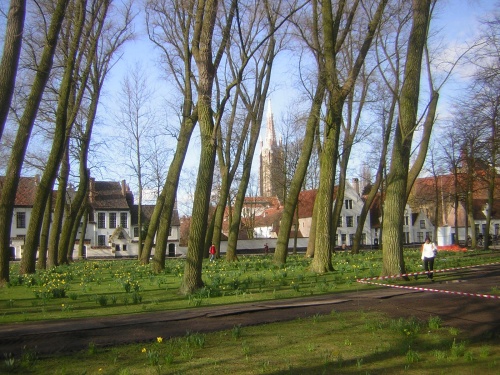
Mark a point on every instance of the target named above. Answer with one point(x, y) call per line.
point(270, 134)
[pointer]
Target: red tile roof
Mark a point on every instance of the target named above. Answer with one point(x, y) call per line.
point(26, 191)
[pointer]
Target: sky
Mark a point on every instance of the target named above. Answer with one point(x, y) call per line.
point(456, 20)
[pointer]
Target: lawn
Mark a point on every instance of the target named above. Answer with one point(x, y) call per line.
point(338, 343)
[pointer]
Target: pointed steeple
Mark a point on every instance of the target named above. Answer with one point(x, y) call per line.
point(270, 141)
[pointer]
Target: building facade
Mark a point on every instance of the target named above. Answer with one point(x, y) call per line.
point(111, 230)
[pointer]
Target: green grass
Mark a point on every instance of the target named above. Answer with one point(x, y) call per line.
point(125, 287)
point(340, 343)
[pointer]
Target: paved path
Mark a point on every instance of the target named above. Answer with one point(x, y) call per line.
point(479, 317)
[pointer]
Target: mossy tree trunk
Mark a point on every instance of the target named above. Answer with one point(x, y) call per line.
point(334, 37)
point(206, 13)
point(397, 179)
point(63, 124)
point(159, 33)
point(26, 122)
point(10, 57)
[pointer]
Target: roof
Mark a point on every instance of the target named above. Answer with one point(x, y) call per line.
point(26, 191)
point(306, 203)
point(262, 201)
point(147, 213)
point(108, 195)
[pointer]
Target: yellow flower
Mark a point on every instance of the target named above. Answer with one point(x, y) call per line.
point(159, 339)
point(143, 350)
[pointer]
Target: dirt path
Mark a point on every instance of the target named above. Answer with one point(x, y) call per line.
point(477, 316)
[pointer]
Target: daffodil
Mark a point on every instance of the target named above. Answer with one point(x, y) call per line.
point(159, 340)
point(143, 350)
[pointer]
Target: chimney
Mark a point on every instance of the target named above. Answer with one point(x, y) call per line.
point(355, 185)
point(124, 188)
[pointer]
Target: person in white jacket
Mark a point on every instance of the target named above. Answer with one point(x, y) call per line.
point(429, 251)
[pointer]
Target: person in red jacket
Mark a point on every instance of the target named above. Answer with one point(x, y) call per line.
point(212, 252)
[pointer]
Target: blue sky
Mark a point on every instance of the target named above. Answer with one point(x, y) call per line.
point(457, 20)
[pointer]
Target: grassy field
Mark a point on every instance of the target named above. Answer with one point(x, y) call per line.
point(339, 343)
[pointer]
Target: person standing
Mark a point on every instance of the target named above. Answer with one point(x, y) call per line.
point(429, 251)
point(212, 252)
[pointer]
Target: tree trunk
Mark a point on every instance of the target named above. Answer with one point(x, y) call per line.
point(291, 202)
point(197, 231)
point(322, 261)
point(396, 192)
point(162, 240)
point(333, 40)
point(44, 237)
point(62, 130)
point(23, 134)
point(73, 217)
point(81, 243)
point(166, 200)
point(10, 57)
point(202, 53)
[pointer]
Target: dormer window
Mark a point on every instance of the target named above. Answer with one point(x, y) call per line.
point(348, 204)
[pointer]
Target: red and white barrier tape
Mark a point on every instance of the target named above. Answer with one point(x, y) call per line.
point(368, 281)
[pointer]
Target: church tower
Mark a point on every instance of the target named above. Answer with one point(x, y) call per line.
point(271, 161)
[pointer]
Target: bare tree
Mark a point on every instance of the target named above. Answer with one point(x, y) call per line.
point(10, 57)
point(398, 177)
point(23, 134)
point(170, 27)
point(337, 92)
point(136, 118)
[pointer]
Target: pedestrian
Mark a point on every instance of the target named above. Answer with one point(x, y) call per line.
point(212, 252)
point(266, 249)
point(429, 252)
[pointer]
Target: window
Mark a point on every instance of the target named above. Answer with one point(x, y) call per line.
point(348, 204)
point(420, 236)
point(407, 220)
point(363, 238)
point(101, 220)
point(349, 221)
point(343, 238)
point(340, 222)
point(123, 220)
point(112, 219)
point(136, 231)
point(117, 247)
point(101, 240)
point(497, 229)
point(406, 238)
point(21, 219)
point(351, 239)
point(422, 224)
